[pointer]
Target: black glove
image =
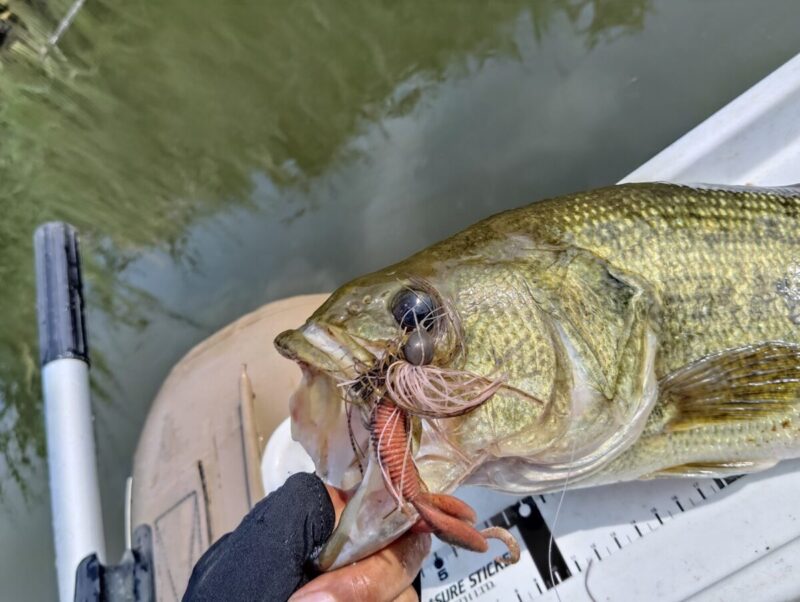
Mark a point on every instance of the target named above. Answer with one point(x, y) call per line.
point(268, 556)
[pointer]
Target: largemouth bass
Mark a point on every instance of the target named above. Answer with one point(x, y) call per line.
point(629, 332)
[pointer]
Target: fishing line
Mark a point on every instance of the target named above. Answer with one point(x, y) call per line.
point(586, 580)
point(357, 451)
point(555, 519)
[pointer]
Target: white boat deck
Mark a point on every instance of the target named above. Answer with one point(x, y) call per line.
point(753, 140)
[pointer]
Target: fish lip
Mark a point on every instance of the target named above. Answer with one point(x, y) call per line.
point(325, 348)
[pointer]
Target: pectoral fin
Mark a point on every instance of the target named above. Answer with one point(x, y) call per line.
point(713, 469)
point(752, 382)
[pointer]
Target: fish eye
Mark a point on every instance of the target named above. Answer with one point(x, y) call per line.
point(413, 308)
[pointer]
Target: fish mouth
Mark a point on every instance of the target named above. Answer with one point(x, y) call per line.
point(322, 348)
point(336, 437)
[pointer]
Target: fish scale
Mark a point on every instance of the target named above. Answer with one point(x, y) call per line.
point(678, 256)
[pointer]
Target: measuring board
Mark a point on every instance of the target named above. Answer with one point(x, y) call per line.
point(592, 525)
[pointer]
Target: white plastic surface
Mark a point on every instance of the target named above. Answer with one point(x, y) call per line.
point(740, 546)
point(74, 490)
point(282, 458)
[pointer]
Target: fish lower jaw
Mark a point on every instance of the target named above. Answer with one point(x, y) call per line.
point(371, 520)
point(352, 477)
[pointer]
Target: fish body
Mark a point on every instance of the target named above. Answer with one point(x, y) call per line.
point(633, 331)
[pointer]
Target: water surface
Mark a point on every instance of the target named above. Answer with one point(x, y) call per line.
point(216, 157)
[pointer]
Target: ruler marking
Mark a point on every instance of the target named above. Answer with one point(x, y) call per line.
point(658, 517)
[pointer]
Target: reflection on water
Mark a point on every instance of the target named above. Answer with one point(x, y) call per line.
point(595, 20)
point(216, 157)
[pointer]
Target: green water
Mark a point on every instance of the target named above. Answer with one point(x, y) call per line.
point(219, 156)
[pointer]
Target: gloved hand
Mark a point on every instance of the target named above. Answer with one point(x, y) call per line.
point(268, 556)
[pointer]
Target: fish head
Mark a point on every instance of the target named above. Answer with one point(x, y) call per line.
point(465, 311)
point(559, 338)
